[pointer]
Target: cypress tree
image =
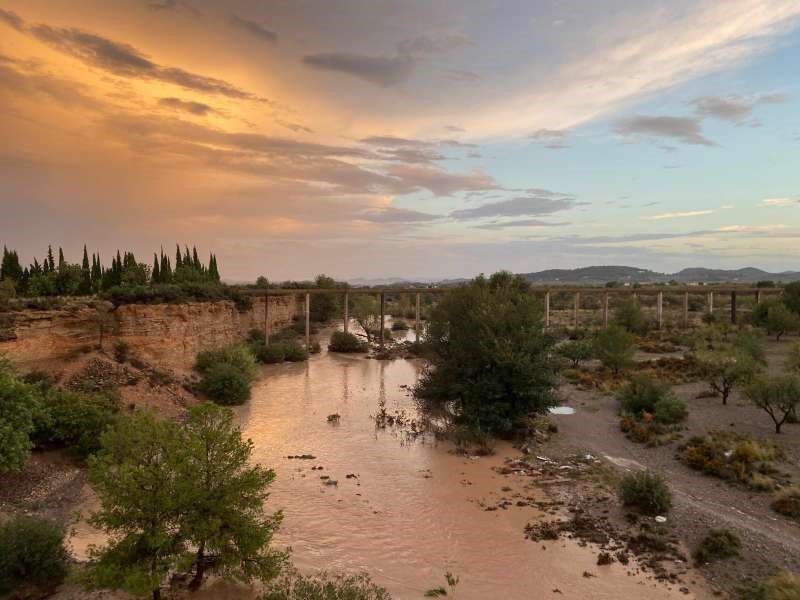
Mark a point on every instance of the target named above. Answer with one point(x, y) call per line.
point(61, 261)
point(86, 275)
point(178, 261)
point(156, 275)
point(187, 259)
point(166, 269)
point(213, 271)
point(50, 264)
point(97, 273)
point(196, 260)
point(10, 267)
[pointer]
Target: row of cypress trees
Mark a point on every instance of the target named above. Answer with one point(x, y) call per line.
point(51, 278)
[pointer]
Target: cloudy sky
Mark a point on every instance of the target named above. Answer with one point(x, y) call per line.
point(433, 138)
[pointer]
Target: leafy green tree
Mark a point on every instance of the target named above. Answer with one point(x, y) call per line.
point(50, 263)
point(576, 351)
point(134, 476)
point(781, 320)
point(489, 355)
point(10, 267)
point(778, 396)
point(324, 307)
point(32, 553)
point(365, 310)
point(614, 347)
point(155, 276)
point(791, 297)
point(222, 497)
point(629, 314)
point(793, 359)
point(726, 368)
point(18, 406)
point(85, 287)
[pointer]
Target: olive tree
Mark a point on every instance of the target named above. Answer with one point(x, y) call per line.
point(490, 358)
point(781, 320)
point(614, 347)
point(18, 408)
point(778, 396)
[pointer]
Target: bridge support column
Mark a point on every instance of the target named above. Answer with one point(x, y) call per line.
point(758, 297)
point(576, 318)
point(383, 317)
point(416, 317)
point(686, 309)
point(733, 308)
point(660, 309)
point(307, 308)
point(346, 311)
point(710, 303)
point(605, 309)
point(266, 318)
point(546, 310)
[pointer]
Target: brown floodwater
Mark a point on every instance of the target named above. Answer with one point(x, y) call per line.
point(412, 509)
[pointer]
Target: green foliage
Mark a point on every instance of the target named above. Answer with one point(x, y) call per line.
point(645, 395)
point(365, 309)
point(787, 502)
point(793, 359)
point(325, 307)
point(294, 351)
point(630, 316)
point(164, 293)
point(782, 586)
point(781, 320)
point(791, 297)
point(399, 325)
point(645, 491)
point(176, 497)
point(346, 342)
point(732, 457)
point(727, 363)
point(718, 544)
point(122, 351)
point(614, 347)
point(576, 351)
point(274, 353)
point(73, 419)
point(777, 395)
point(489, 355)
point(18, 407)
point(32, 553)
point(292, 585)
point(226, 384)
point(237, 355)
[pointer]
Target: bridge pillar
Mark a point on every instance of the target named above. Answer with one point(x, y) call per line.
point(686, 309)
point(710, 303)
point(576, 318)
point(416, 318)
point(266, 318)
point(733, 308)
point(383, 316)
point(307, 308)
point(758, 297)
point(346, 311)
point(660, 309)
point(546, 310)
point(605, 309)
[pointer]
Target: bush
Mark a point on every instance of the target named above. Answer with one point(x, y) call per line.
point(256, 336)
point(647, 492)
point(781, 320)
point(294, 352)
point(237, 355)
point(787, 503)
point(292, 585)
point(122, 351)
point(576, 351)
point(32, 553)
point(399, 325)
point(167, 293)
point(226, 384)
point(793, 359)
point(614, 346)
point(630, 316)
point(776, 395)
point(717, 545)
point(783, 586)
point(490, 359)
point(644, 395)
point(732, 457)
point(346, 342)
point(315, 347)
point(18, 405)
point(74, 420)
point(274, 353)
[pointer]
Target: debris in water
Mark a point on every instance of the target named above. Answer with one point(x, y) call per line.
point(562, 410)
point(302, 456)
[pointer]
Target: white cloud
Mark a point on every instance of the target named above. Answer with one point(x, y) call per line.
point(749, 228)
point(780, 202)
point(678, 215)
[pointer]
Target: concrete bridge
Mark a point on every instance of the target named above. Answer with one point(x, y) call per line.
point(708, 292)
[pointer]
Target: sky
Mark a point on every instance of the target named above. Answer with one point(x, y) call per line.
point(418, 139)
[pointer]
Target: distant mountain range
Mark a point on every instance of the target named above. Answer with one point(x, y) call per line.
point(601, 275)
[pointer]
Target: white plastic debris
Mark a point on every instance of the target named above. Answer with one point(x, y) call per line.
point(660, 519)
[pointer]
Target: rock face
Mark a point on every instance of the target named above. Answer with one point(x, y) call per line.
point(166, 335)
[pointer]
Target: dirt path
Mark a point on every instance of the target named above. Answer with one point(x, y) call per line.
point(701, 502)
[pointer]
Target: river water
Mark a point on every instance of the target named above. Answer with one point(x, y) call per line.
point(412, 509)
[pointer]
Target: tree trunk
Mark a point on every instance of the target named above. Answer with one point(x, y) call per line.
point(197, 581)
point(778, 427)
point(157, 594)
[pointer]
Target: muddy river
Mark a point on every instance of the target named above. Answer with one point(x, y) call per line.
point(411, 509)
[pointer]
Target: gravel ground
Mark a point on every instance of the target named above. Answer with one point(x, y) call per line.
point(701, 502)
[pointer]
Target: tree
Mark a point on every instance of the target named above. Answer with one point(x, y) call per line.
point(18, 405)
point(364, 310)
point(32, 553)
point(725, 368)
point(222, 497)
point(324, 306)
point(791, 297)
point(576, 351)
point(614, 347)
point(778, 396)
point(489, 355)
point(629, 314)
point(781, 320)
point(793, 359)
point(85, 287)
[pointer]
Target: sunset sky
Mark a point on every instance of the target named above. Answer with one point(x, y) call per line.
point(438, 138)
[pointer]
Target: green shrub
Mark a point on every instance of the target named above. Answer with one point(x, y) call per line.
point(777, 395)
point(781, 320)
point(399, 325)
point(74, 420)
point(733, 457)
point(256, 336)
point(294, 352)
point(32, 553)
point(346, 342)
point(292, 585)
point(787, 502)
point(274, 353)
point(791, 297)
point(645, 395)
point(793, 359)
point(646, 492)
point(226, 384)
point(576, 351)
point(630, 316)
point(782, 586)
point(167, 293)
point(18, 406)
point(717, 545)
point(614, 346)
point(491, 360)
point(315, 347)
point(122, 351)
point(238, 355)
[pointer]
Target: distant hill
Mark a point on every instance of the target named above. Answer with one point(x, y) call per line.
point(600, 275)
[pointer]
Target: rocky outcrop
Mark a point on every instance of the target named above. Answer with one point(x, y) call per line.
point(165, 335)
